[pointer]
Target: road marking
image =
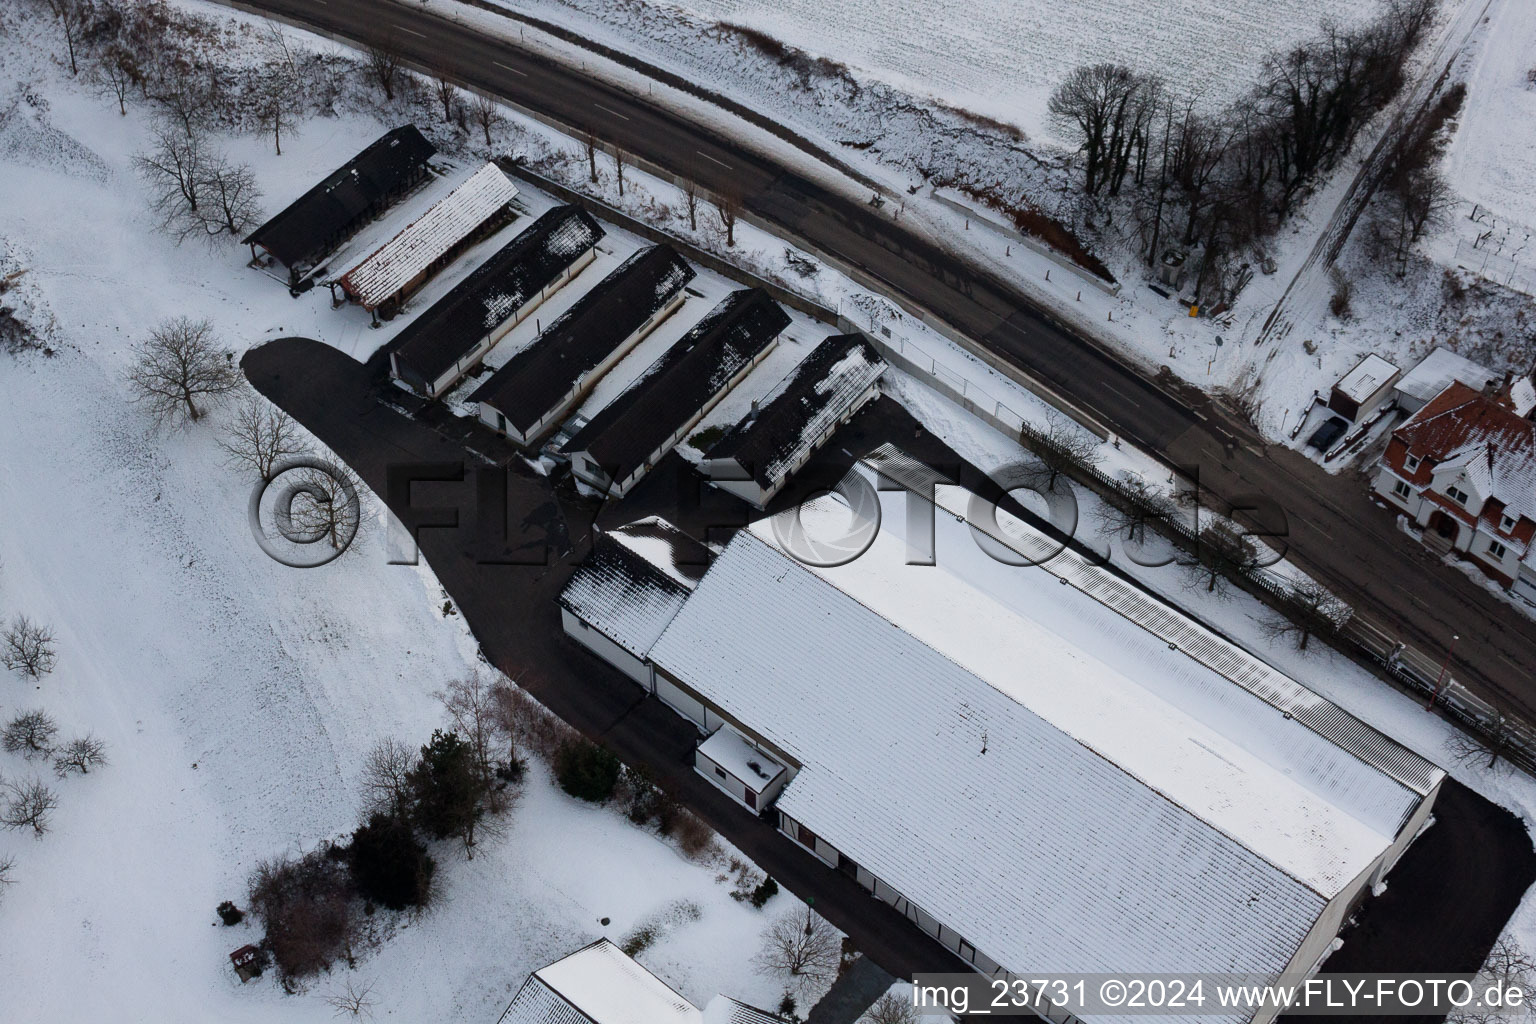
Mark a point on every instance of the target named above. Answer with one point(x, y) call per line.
point(615, 113)
point(712, 160)
point(410, 31)
point(1123, 395)
point(504, 67)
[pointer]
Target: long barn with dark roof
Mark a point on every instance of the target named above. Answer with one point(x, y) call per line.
point(625, 439)
point(350, 196)
point(447, 340)
point(756, 458)
point(536, 388)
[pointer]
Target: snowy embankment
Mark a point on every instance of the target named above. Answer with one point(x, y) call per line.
point(861, 108)
point(236, 697)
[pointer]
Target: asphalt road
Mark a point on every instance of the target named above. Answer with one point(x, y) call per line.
point(1335, 532)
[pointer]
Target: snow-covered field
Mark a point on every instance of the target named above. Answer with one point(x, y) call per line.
point(1000, 58)
point(237, 697)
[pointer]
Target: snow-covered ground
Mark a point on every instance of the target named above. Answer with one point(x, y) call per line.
point(1000, 58)
point(237, 697)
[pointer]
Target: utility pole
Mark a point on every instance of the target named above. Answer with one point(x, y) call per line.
point(1435, 695)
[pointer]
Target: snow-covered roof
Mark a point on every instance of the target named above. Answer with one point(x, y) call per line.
point(794, 417)
point(729, 750)
point(546, 373)
point(598, 984)
point(495, 291)
point(1021, 762)
point(1370, 375)
point(1484, 438)
point(1435, 372)
point(450, 220)
point(635, 581)
point(601, 984)
point(687, 377)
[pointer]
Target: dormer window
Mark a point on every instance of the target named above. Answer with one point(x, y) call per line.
point(1411, 463)
point(1458, 495)
point(1507, 523)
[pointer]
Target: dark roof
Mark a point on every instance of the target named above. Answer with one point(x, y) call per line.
point(794, 415)
point(495, 290)
point(696, 368)
point(537, 378)
point(345, 196)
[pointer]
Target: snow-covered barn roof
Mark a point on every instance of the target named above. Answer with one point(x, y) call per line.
point(450, 220)
point(797, 412)
point(1022, 762)
point(496, 290)
point(601, 984)
point(635, 581)
point(536, 379)
point(598, 984)
point(345, 197)
point(698, 366)
point(1436, 371)
point(1369, 375)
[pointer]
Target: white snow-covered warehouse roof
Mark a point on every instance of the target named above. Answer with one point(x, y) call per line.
point(1435, 372)
point(1368, 376)
point(601, 984)
point(449, 221)
point(635, 581)
point(1028, 766)
point(598, 984)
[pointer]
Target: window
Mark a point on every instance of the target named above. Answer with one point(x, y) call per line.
point(1507, 523)
point(720, 772)
point(1497, 550)
point(1458, 495)
point(1401, 489)
point(1411, 463)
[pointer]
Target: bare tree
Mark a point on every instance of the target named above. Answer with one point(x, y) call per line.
point(1132, 508)
point(1509, 968)
point(618, 166)
point(80, 754)
point(352, 1000)
point(179, 366)
point(890, 1009)
point(383, 65)
point(231, 199)
point(386, 777)
point(7, 872)
point(1061, 446)
point(326, 506)
point(29, 734)
point(1307, 610)
point(1492, 739)
point(28, 647)
point(589, 140)
point(447, 95)
point(1222, 554)
point(728, 208)
point(175, 169)
point(487, 115)
point(691, 200)
point(471, 704)
point(115, 72)
point(1108, 110)
point(800, 949)
point(75, 17)
point(261, 436)
point(278, 87)
point(29, 805)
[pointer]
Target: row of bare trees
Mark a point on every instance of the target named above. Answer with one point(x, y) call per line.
point(1236, 172)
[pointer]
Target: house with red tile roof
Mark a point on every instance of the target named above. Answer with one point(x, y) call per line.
point(1463, 468)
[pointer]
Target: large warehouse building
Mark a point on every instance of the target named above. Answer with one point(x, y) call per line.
point(1045, 768)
